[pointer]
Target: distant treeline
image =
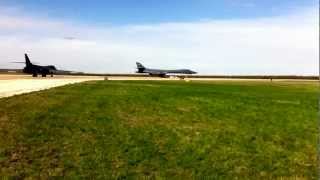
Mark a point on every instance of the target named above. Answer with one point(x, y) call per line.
point(19, 71)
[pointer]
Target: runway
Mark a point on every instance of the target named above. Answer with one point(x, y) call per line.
point(18, 84)
point(12, 84)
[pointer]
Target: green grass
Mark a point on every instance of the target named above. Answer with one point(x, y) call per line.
point(162, 129)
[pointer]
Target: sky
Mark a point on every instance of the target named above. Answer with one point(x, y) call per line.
point(226, 37)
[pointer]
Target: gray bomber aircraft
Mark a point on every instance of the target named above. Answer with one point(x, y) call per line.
point(162, 72)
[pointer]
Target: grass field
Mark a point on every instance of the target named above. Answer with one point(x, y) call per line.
point(171, 129)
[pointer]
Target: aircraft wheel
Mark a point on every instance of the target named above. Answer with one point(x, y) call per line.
point(34, 75)
point(44, 75)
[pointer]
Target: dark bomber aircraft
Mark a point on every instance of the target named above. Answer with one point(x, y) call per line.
point(36, 69)
point(161, 72)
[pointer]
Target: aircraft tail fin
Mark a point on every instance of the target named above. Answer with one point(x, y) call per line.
point(27, 60)
point(140, 67)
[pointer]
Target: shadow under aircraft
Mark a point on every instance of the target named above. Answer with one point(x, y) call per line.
point(37, 69)
point(162, 72)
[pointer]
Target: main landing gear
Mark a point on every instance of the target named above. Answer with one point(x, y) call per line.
point(42, 75)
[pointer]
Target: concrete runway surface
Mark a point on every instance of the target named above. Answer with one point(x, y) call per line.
point(12, 84)
point(18, 84)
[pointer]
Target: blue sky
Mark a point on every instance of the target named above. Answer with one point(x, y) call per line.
point(233, 37)
point(155, 11)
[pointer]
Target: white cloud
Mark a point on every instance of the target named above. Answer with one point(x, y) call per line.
point(275, 45)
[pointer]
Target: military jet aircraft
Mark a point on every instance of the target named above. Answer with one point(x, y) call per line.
point(36, 69)
point(161, 72)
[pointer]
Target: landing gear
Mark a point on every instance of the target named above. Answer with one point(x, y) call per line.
point(34, 75)
point(163, 76)
point(181, 77)
point(51, 75)
point(44, 75)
